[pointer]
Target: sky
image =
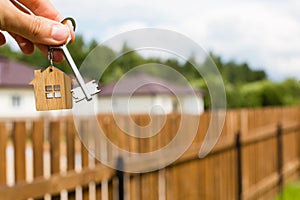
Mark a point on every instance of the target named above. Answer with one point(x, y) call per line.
point(263, 33)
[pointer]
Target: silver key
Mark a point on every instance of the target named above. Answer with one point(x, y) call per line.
point(85, 91)
point(92, 88)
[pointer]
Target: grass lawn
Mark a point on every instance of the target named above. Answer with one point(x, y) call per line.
point(290, 192)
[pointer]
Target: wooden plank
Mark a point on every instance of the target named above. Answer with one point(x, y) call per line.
point(261, 187)
point(168, 179)
point(70, 140)
point(98, 188)
point(3, 145)
point(55, 183)
point(291, 167)
point(98, 191)
point(135, 181)
point(102, 188)
point(135, 187)
point(123, 143)
point(55, 150)
point(85, 159)
point(259, 134)
point(97, 163)
point(270, 181)
point(224, 144)
point(233, 176)
point(38, 148)
point(209, 190)
point(288, 126)
point(148, 191)
point(55, 146)
point(19, 137)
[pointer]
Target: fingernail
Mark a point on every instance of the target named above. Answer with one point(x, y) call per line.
point(60, 32)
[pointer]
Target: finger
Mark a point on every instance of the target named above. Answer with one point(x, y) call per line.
point(21, 7)
point(47, 11)
point(42, 8)
point(35, 28)
point(2, 39)
point(25, 45)
point(57, 54)
point(45, 8)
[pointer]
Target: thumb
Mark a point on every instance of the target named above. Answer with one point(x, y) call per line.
point(38, 29)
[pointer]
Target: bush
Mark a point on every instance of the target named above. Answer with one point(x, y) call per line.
point(291, 192)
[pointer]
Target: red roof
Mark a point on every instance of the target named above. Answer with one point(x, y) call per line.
point(144, 84)
point(15, 74)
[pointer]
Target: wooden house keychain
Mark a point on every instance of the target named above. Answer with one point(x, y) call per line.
point(53, 88)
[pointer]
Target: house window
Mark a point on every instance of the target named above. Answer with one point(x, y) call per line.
point(53, 91)
point(16, 101)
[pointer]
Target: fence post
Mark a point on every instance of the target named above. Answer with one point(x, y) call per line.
point(120, 176)
point(54, 139)
point(280, 157)
point(19, 137)
point(70, 142)
point(238, 146)
point(3, 144)
point(38, 149)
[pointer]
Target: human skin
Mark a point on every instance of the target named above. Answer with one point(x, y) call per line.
point(33, 23)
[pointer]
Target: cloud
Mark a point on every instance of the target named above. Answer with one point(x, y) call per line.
point(264, 33)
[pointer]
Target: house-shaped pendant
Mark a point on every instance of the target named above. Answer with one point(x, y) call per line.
point(52, 89)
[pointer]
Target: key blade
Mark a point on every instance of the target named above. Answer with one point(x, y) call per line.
point(79, 95)
point(76, 72)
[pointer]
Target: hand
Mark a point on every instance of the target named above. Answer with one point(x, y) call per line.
point(41, 27)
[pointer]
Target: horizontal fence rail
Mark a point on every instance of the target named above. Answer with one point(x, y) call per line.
point(56, 183)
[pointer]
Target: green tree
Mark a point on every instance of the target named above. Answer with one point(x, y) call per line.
point(7, 51)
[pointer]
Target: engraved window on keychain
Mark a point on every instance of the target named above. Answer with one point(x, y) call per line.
point(52, 91)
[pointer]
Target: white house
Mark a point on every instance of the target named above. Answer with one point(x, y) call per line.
point(16, 95)
point(142, 93)
point(139, 93)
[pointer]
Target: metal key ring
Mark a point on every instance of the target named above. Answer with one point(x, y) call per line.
point(52, 48)
point(73, 24)
point(71, 20)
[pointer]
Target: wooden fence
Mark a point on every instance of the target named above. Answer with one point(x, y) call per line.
point(257, 153)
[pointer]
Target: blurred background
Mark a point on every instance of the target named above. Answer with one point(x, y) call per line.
point(255, 47)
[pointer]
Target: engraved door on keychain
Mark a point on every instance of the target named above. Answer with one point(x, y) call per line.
point(52, 89)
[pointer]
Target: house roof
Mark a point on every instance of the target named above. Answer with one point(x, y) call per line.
point(144, 84)
point(14, 74)
point(49, 71)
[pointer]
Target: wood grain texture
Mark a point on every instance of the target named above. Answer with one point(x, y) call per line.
point(55, 137)
point(38, 148)
point(85, 159)
point(45, 83)
point(19, 136)
point(70, 142)
point(3, 145)
point(55, 183)
point(189, 178)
